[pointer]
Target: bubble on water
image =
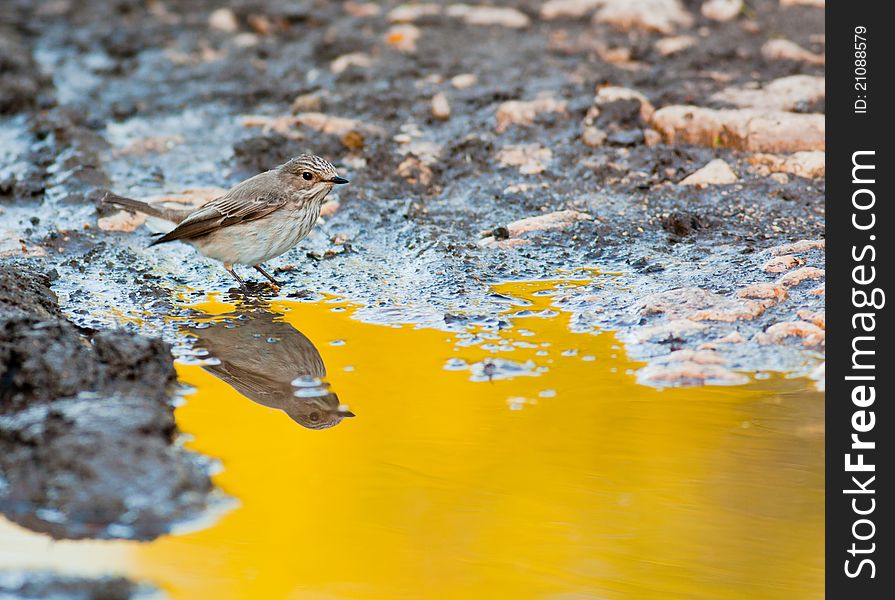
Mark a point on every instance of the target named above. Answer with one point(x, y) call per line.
point(547, 393)
point(337, 343)
point(588, 358)
point(570, 352)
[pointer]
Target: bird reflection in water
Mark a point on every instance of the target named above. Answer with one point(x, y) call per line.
point(271, 363)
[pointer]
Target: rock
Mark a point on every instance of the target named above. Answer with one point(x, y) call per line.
point(463, 81)
point(530, 158)
point(794, 278)
point(817, 3)
point(668, 46)
point(818, 318)
point(786, 50)
point(669, 331)
point(361, 60)
point(683, 303)
point(519, 112)
point(329, 208)
point(796, 247)
point(335, 125)
point(781, 263)
point(312, 102)
point(223, 19)
point(361, 10)
point(716, 172)
point(568, 9)
point(745, 129)
point(121, 221)
point(734, 337)
point(647, 15)
point(764, 291)
point(809, 164)
point(781, 178)
point(441, 108)
point(811, 334)
point(593, 137)
point(556, 220)
point(403, 37)
point(721, 10)
point(489, 15)
point(415, 171)
point(410, 13)
point(784, 94)
point(151, 145)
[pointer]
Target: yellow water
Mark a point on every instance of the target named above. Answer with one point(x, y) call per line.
point(575, 483)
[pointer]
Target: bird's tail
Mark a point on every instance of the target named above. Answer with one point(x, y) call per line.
point(168, 214)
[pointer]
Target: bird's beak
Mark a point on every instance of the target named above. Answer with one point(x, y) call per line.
point(338, 179)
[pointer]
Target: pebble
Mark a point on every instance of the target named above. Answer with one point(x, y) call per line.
point(716, 172)
point(521, 112)
point(721, 10)
point(441, 108)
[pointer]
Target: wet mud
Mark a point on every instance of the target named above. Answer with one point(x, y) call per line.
point(553, 147)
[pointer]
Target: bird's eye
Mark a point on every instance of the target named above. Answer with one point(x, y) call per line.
point(307, 176)
point(314, 416)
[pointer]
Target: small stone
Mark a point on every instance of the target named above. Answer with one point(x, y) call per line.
point(593, 137)
point(223, 19)
point(360, 60)
point(519, 112)
point(463, 81)
point(784, 94)
point(312, 102)
point(787, 50)
point(441, 108)
point(627, 137)
point(781, 263)
point(489, 15)
point(530, 158)
point(781, 178)
point(403, 37)
point(647, 15)
point(651, 137)
point(672, 45)
point(716, 172)
point(796, 277)
point(721, 10)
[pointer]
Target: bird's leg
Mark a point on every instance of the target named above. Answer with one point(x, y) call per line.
point(276, 284)
point(242, 284)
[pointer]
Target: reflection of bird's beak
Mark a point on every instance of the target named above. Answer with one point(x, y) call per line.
point(339, 180)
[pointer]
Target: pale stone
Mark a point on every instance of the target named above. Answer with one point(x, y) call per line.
point(441, 108)
point(746, 129)
point(529, 158)
point(223, 19)
point(784, 94)
point(786, 50)
point(716, 172)
point(672, 45)
point(721, 10)
point(520, 112)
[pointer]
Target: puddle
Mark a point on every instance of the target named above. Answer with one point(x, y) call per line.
point(509, 459)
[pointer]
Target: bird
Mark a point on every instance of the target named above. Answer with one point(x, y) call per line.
point(271, 363)
point(255, 220)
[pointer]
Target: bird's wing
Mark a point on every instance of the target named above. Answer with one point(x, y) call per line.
point(252, 199)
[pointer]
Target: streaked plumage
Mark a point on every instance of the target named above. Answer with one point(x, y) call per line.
point(256, 220)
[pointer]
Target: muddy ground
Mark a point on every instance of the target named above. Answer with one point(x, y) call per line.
point(455, 126)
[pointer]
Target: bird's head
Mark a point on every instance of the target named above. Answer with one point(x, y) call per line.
point(312, 175)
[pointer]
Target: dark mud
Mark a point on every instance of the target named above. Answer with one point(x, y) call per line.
point(154, 98)
point(87, 433)
point(36, 585)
